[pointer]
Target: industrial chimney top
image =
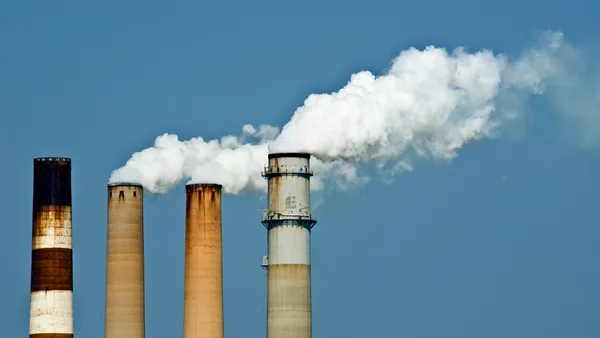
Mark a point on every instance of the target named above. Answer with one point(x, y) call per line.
point(124, 184)
point(205, 185)
point(52, 159)
point(297, 155)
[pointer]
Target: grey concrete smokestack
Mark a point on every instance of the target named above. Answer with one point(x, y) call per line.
point(203, 290)
point(51, 308)
point(289, 221)
point(125, 262)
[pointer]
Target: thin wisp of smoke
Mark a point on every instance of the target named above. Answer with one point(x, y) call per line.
point(430, 103)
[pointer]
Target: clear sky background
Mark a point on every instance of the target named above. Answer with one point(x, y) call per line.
point(501, 243)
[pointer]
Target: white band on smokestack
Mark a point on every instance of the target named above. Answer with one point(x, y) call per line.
point(289, 245)
point(51, 312)
point(54, 232)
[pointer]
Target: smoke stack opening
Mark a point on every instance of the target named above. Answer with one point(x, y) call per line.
point(297, 155)
point(124, 184)
point(197, 186)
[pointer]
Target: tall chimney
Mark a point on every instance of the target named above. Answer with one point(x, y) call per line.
point(125, 262)
point(289, 221)
point(203, 289)
point(51, 309)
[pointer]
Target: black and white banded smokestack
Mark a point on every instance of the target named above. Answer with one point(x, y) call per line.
point(51, 310)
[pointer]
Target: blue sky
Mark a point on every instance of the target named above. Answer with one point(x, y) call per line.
point(501, 243)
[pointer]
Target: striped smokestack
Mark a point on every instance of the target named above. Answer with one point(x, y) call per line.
point(289, 221)
point(125, 262)
point(51, 307)
point(203, 290)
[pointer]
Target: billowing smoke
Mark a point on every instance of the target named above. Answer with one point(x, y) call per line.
point(429, 104)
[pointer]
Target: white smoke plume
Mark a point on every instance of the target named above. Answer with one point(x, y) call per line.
point(430, 103)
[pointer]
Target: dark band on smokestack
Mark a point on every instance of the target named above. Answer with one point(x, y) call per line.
point(51, 182)
point(203, 289)
point(125, 313)
point(51, 308)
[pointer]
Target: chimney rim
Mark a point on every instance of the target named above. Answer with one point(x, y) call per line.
point(124, 184)
point(203, 185)
point(52, 159)
point(288, 154)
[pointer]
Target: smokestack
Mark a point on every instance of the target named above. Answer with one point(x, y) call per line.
point(51, 309)
point(125, 262)
point(289, 220)
point(203, 290)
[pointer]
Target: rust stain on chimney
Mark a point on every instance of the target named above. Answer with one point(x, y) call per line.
point(203, 290)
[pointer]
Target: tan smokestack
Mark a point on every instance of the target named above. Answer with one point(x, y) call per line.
point(203, 291)
point(125, 262)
